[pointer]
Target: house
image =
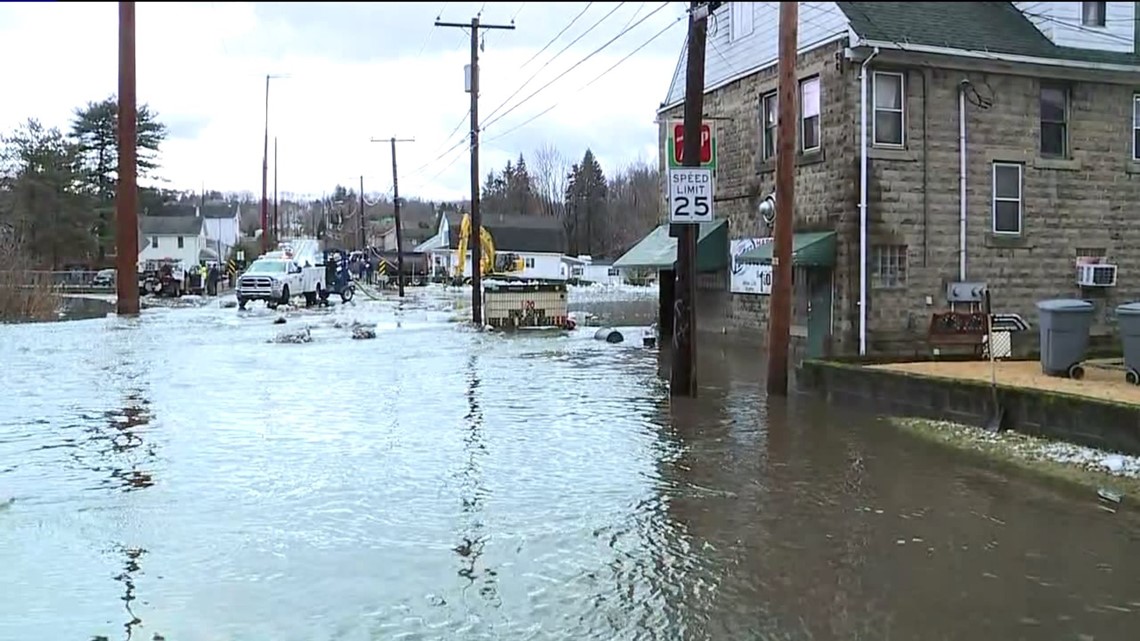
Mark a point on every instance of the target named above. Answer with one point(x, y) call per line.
point(984, 142)
point(179, 238)
point(539, 240)
point(602, 272)
point(413, 236)
point(222, 226)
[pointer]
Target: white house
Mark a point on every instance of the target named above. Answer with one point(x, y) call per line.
point(179, 238)
point(221, 225)
point(597, 271)
point(539, 240)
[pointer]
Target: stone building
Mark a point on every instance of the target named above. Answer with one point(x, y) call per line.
point(1002, 147)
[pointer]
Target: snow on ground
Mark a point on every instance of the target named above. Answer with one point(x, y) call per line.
point(1037, 449)
point(599, 292)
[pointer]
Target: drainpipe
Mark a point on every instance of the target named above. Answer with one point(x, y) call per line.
point(962, 179)
point(863, 86)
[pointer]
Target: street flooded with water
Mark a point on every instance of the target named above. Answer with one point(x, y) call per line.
point(180, 474)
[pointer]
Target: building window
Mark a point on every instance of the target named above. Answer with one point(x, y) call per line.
point(1007, 202)
point(809, 114)
point(1136, 127)
point(741, 20)
point(888, 124)
point(528, 263)
point(768, 106)
point(1054, 128)
point(889, 262)
point(181, 243)
point(1092, 14)
point(154, 241)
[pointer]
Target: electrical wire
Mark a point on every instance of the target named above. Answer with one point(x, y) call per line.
point(552, 59)
point(577, 64)
point(438, 15)
point(557, 35)
point(588, 84)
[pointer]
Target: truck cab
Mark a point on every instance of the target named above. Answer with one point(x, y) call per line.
point(277, 277)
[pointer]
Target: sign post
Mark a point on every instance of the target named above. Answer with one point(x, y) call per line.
point(690, 195)
point(675, 141)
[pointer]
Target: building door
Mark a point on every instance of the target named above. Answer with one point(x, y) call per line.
point(818, 311)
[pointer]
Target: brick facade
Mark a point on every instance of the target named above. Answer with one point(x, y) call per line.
point(1077, 204)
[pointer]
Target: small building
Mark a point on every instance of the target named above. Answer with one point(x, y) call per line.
point(539, 240)
point(602, 272)
point(937, 143)
point(178, 238)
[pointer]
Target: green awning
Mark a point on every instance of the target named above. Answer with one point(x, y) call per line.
point(658, 250)
point(810, 249)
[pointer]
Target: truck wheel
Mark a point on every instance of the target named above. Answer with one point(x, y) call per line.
point(310, 299)
point(285, 298)
point(241, 302)
point(346, 294)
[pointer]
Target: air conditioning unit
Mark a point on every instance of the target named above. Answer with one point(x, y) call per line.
point(1093, 275)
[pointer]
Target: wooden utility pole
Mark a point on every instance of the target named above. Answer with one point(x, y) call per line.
point(127, 194)
point(363, 237)
point(780, 302)
point(476, 216)
point(683, 373)
point(276, 218)
point(265, 177)
point(396, 210)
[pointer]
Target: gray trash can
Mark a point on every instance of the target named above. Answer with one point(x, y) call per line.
point(1128, 320)
point(1065, 326)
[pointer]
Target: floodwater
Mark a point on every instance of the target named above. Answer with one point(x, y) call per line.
point(178, 475)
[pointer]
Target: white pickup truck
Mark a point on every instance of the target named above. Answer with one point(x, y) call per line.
point(277, 278)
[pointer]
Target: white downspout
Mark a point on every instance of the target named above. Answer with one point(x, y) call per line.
point(863, 203)
point(962, 180)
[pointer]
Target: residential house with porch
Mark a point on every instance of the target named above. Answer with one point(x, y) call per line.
point(178, 238)
point(993, 143)
point(539, 240)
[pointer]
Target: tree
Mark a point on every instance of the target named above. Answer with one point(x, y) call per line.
point(550, 174)
point(634, 205)
point(519, 193)
point(96, 132)
point(45, 205)
point(584, 219)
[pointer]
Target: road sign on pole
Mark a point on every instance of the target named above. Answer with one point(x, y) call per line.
point(690, 195)
point(675, 141)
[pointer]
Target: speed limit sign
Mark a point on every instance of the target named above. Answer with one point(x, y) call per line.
point(690, 195)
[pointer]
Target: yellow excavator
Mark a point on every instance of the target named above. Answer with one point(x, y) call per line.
point(491, 264)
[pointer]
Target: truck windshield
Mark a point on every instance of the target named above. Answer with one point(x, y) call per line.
point(267, 267)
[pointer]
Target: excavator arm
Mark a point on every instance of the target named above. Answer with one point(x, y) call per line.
point(487, 263)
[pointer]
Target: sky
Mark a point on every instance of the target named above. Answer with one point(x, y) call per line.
point(353, 72)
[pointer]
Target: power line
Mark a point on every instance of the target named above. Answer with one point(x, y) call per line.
point(577, 64)
point(553, 58)
point(588, 84)
point(438, 15)
point(557, 35)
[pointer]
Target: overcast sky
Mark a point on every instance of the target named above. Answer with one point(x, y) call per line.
point(356, 71)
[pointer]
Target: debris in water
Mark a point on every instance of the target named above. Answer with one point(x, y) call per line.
point(227, 303)
point(296, 336)
point(280, 320)
point(1109, 495)
point(360, 333)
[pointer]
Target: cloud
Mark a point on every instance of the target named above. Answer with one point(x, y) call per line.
point(355, 71)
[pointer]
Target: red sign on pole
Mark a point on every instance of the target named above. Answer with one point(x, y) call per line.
point(706, 143)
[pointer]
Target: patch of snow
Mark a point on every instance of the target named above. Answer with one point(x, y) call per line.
point(599, 292)
point(296, 336)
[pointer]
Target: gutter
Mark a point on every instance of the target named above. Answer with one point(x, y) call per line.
point(962, 86)
point(999, 57)
point(863, 88)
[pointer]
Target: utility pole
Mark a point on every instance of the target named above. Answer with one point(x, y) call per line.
point(476, 215)
point(276, 218)
point(780, 311)
point(363, 238)
point(683, 373)
point(127, 194)
point(396, 210)
point(265, 172)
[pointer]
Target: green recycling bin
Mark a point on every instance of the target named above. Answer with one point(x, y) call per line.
point(1065, 325)
point(1128, 320)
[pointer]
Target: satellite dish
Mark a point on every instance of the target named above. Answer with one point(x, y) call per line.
point(767, 208)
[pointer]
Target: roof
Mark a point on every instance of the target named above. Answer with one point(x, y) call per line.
point(186, 210)
point(809, 249)
point(170, 225)
point(994, 27)
point(516, 233)
point(659, 250)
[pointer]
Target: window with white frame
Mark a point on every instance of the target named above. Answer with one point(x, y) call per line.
point(1007, 198)
point(889, 265)
point(809, 114)
point(1092, 14)
point(528, 263)
point(1054, 120)
point(889, 123)
point(741, 20)
point(1136, 127)
point(181, 242)
point(154, 241)
point(768, 106)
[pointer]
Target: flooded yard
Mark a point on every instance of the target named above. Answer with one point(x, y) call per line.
point(180, 474)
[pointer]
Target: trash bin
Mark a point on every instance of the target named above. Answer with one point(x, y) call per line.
point(1128, 320)
point(1065, 326)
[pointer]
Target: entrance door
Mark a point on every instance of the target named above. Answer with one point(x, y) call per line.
point(818, 312)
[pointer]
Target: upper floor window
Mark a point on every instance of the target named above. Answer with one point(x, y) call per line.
point(181, 243)
point(768, 105)
point(1092, 14)
point(809, 114)
point(1007, 198)
point(741, 20)
point(888, 124)
point(154, 241)
point(1136, 127)
point(1054, 120)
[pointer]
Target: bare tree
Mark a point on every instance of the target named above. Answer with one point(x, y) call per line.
point(550, 169)
point(633, 205)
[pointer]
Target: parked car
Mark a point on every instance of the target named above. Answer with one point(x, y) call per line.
point(104, 278)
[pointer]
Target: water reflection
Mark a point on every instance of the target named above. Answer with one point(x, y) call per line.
point(473, 491)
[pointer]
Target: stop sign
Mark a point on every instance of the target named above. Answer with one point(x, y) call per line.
point(679, 143)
